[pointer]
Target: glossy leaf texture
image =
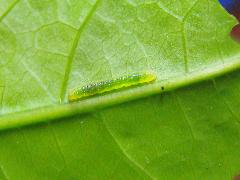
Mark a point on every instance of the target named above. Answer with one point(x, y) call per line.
point(49, 47)
point(192, 133)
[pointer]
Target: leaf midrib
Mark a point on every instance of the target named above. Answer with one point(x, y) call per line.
point(65, 110)
point(61, 111)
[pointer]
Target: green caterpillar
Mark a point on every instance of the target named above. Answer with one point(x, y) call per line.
point(110, 85)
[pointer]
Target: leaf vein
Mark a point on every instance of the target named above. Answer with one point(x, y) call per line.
point(169, 12)
point(225, 102)
point(39, 81)
point(73, 50)
point(131, 160)
point(9, 9)
point(184, 38)
point(190, 127)
point(185, 116)
point(2, 96)
point(185, 52)
point(189, 10)
point(4, 172)
point(58, 145)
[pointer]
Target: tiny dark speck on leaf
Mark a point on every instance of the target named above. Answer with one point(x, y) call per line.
point(162, 88)
point(236, 177)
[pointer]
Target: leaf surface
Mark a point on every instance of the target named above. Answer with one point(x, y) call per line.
point(190, 133)
point(49, 47)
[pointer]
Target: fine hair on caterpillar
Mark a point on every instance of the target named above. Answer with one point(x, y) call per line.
point(110, 85)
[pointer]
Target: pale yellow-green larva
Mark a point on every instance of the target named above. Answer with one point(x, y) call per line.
point(110, 85)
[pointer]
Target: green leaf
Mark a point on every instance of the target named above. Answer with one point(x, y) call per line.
point(49, 47)
point(192, 133)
